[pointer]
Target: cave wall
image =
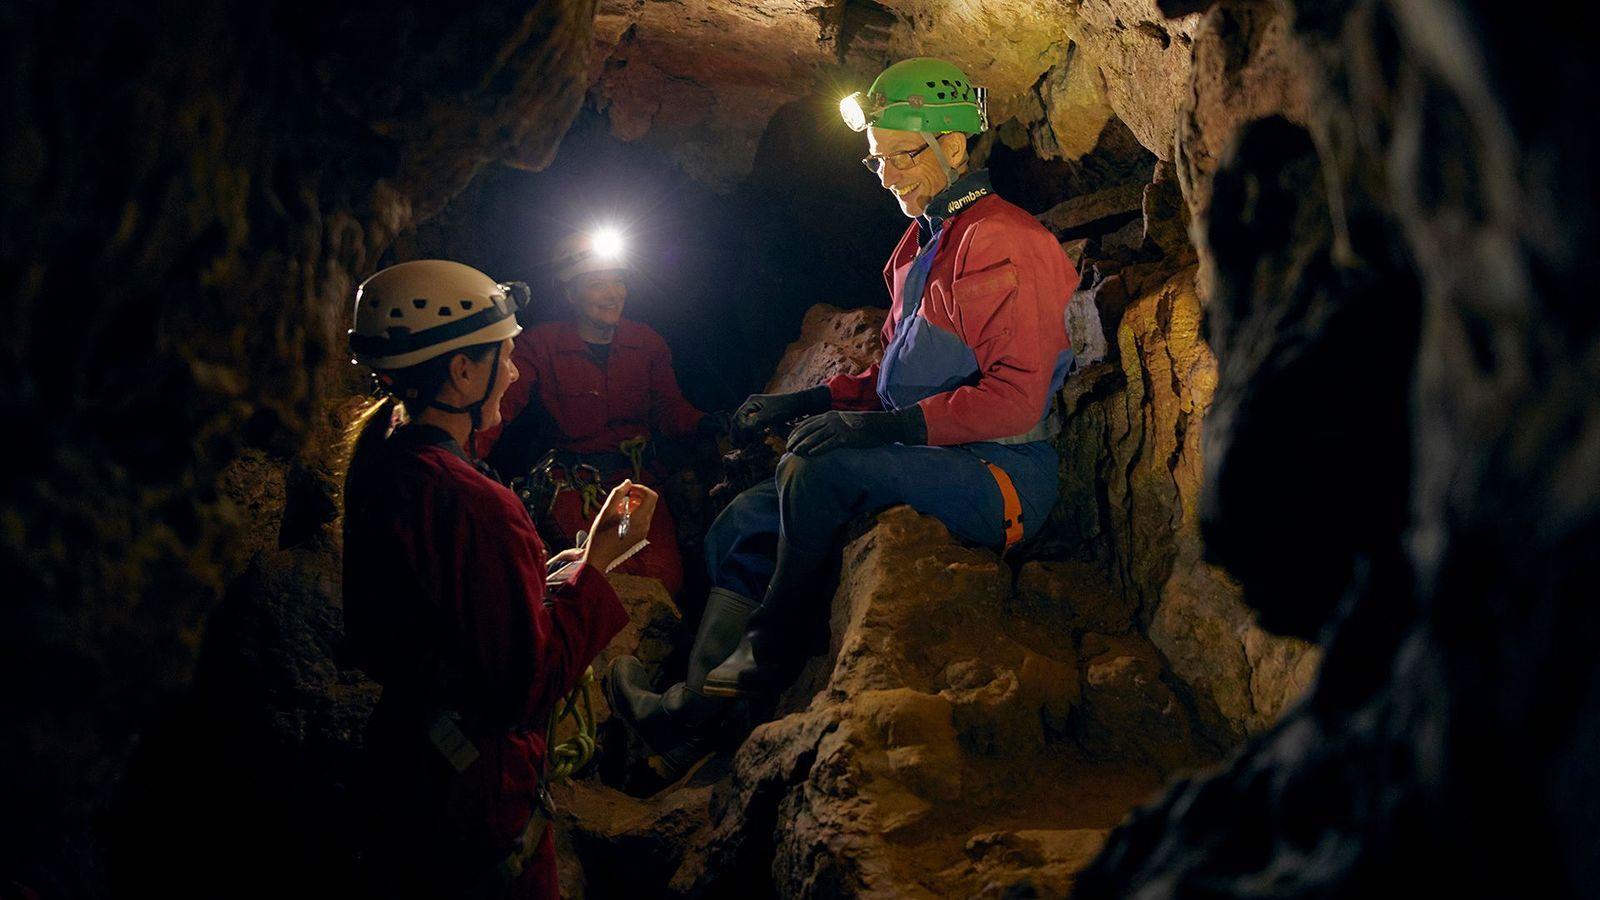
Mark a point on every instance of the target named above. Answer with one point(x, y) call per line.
point(1429, 208)
point(190, 191)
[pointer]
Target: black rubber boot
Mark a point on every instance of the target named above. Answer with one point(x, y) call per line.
point(679, 724)
point(778, 639)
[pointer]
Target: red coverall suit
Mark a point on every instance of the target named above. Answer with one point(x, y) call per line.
point(595, 408)
point(444, 602)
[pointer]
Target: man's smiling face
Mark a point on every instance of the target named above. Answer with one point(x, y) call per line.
point(912, 187)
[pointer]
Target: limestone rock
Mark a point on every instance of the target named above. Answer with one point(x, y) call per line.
point(1245, 68)
point(1104, 210)
point(1448, 573)
point(831, 341)
point(1075, 106)
point(1073, 597)
point(614, 845)
point(923, 730)
point(1128, 710)
point(1214, 644)
point(1137, 439)
point(703, 78)
point(1144, 63)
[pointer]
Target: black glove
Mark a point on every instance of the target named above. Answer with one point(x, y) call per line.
point(761, 410)
point(836, 430)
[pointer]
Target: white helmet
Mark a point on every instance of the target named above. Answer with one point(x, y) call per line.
point(414, 311)
point(600, 250)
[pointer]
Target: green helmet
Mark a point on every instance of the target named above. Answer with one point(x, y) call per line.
point(922, 94)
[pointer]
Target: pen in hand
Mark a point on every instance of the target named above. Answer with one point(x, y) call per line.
point(626, 509)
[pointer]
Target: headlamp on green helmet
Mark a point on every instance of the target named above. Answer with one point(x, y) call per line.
point(922, 95)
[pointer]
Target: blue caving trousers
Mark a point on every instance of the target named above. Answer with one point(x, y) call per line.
point(810, 499)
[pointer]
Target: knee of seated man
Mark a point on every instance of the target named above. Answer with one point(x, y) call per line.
point(808, 472)
point(734, 520)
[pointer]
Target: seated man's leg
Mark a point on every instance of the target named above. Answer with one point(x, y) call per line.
point(743, 541)
point(680, 722)
point(816, 497)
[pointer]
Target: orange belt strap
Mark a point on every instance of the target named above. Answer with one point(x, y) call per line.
point(1013, 504)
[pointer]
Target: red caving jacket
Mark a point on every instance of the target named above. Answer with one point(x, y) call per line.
point(596, 408)
point(990, 346)
point(445, 606)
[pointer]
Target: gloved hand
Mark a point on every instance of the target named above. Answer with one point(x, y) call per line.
point(838, 430)
point(761, 410)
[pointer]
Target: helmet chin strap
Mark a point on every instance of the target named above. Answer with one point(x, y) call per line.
point(938, 151)
point(475, 410)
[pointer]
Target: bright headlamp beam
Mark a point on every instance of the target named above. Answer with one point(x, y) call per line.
point(607, 243)
point(854, 116)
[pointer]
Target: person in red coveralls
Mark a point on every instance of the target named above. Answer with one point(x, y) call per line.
point(445, 600)
point(606, 387)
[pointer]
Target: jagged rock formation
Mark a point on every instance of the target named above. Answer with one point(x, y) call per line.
point(1445, 547)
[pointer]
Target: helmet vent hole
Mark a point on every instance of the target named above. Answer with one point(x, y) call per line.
point(420, 303)
point(941, 95)
point(444, 310)
point(466, 304)
point(395, 313)
point(931, 84)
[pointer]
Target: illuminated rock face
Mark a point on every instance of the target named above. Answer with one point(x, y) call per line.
point(943, 744)
point(704, 77)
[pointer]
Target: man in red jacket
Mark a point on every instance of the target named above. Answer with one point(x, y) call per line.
point(606, 388)
point(955, 420)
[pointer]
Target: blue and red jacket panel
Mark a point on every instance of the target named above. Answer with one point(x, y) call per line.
point(976, 333)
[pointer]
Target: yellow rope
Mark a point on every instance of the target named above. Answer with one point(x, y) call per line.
point(593, 498)
point(633, 448)
point(572, 754)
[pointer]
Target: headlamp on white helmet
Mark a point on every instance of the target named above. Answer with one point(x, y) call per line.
point(599, 250)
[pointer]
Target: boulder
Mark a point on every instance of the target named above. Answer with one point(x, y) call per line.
point(929, 753)
point(831, 341)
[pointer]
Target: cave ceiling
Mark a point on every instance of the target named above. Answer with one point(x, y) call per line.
point(702, 78)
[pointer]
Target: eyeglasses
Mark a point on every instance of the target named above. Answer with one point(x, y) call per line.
point(902, 161)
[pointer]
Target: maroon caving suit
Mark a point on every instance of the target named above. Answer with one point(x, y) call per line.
point(595, 408)
point(445, 606)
